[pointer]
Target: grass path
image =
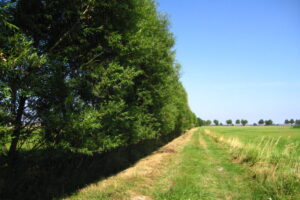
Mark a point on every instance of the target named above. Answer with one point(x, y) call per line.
point(205, 172)
point(202, 170)
point(136, 182)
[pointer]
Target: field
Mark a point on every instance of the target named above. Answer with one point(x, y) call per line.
point(253, 134)
point(270, 153)
point(211, 163)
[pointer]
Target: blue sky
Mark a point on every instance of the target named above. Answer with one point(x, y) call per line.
point(240, 58)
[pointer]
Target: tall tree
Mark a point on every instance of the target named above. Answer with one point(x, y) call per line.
point(200, 122)
point(216, 122)
point(237, 121)
point(94, 75)
point(268, 122)
point(244, 122)
point(21, 71)
point(229, 122)
point(208, 122)
point(261, 122)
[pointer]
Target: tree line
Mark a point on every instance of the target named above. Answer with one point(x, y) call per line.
point(292, 122)
point(244, 122)
point(87, 75)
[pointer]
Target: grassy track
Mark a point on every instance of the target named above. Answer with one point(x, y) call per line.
point(138, 181)
point(204, 171)
point(225, 163)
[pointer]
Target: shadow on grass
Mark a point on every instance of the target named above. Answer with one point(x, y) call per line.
point(53, 174)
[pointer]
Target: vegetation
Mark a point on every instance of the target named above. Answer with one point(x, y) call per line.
point(229, 122)
point(69, 72)
point(84, 77)
point(244, 122)
point(202, 122)
point(268, 122)
point(202, 171)
point(272, 154)
point(216, 122)
point(261, 122)
point(215, 163)
point(297, 123)
point(87, 88)
point(291, 122)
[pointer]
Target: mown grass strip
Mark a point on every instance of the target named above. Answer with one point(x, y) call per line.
point(203, 171)
point(138, 181)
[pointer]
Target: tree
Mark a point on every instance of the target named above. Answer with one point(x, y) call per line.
point(292, 121)
point(286, 121)
point(21, 72)
point(268, 122)
point(261, 122)
point(237, 122)
point(208, 122)
point(200, 122)
point(216, 122)
point(297, 122)
point(229, 122)
point(244, 122)
point(91, 75)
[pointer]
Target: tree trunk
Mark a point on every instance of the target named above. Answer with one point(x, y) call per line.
point(17, 130)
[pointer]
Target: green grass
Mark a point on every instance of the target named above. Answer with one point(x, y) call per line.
point(288, 137)
point(272, 154)
point(234, 163)
point(203, 171)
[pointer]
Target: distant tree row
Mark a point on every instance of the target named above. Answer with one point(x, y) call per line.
point(292, 122)
point(201, 122)
point(218, 123)
point(244, 122)
point(265, 122)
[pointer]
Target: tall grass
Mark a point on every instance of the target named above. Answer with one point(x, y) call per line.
point(277, 169)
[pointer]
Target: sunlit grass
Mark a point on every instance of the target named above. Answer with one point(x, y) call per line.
point(272, 153)
point(203, 171)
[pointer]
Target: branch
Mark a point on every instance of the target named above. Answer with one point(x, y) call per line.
point(71, 29)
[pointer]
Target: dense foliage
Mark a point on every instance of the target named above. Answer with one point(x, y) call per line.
point(87, 75)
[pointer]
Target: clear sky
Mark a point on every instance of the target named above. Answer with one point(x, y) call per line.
point(240, 58)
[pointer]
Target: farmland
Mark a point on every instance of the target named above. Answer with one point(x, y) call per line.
point(272, 142)
point(270, 153)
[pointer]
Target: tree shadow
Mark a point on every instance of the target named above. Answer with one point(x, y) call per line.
point(53, 174)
